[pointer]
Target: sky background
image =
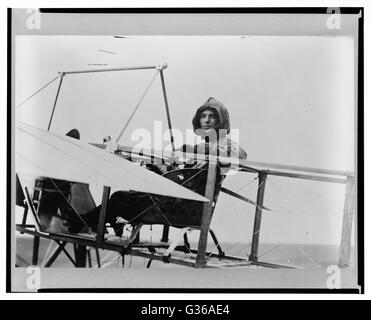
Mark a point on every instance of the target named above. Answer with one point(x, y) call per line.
point(292, 98)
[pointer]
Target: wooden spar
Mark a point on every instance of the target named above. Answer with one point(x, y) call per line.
point(294, 168)
point(165, 231)
point(258, 215)
point(348, 216)
point(110, 69)
point(137, 106)
point(206, 214)
point(245, 165)
point(305, 176)
point(56, 99)
point(102, 216)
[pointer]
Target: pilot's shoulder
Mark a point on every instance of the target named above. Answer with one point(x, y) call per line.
point(236, 150)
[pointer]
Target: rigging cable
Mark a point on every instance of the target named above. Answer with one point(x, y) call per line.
point(151, 206)
point(74, 210)
point(43, 87)
point(298, 246)
point(271, 249)
point(243, 187)
point(308, 256)
point(137, 106)
point(46, 255)
point(20, 155)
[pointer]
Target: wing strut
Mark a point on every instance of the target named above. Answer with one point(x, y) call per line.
point(206, 214)
point(238, 196)
point(61, 75)
point(258, 215)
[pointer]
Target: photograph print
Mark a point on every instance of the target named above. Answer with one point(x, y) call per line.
point(185, 150)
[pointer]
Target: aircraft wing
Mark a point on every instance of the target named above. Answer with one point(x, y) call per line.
point(48, 154)
point(243, 165)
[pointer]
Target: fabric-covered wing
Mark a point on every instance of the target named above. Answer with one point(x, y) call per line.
point(47, 154)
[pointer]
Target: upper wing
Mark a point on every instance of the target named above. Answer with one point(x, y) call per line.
point(48, 154)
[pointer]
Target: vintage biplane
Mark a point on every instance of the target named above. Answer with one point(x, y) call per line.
point(183, 198)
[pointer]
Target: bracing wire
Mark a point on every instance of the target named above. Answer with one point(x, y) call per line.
point(162, 213)
point(288, 201)
point(308, 256)
point(151, 206)
point(244, 186)
point(271, 249)
point(279, 245)
point(47, 253)
point(160, 210)
point(79, 216)
point(35, 93)
point(137, 106)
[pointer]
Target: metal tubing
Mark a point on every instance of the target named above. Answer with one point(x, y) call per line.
point(56, 99)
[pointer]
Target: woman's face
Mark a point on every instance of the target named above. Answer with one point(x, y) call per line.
point(208, 120)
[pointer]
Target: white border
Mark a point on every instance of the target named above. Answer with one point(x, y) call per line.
point(191, 3)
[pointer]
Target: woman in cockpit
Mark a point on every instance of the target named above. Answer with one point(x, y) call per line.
point(211, 122)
